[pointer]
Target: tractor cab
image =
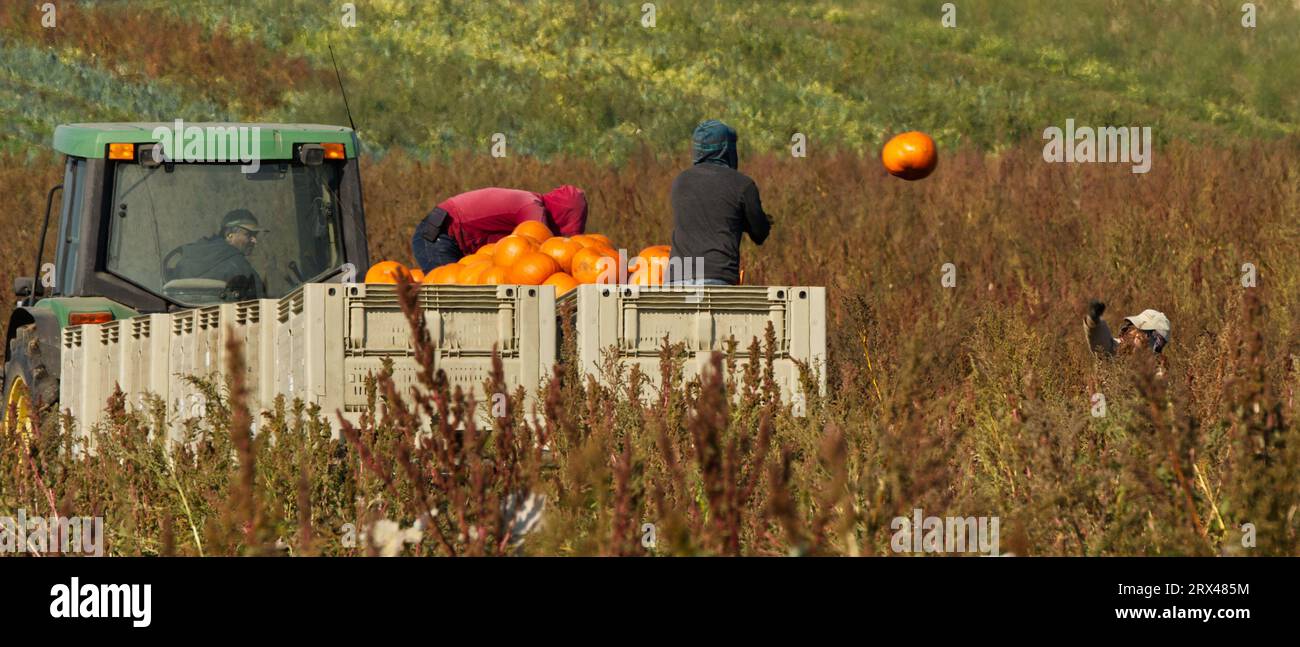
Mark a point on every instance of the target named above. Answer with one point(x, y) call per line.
point(159, 217)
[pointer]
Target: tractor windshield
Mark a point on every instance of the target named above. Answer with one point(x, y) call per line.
point(208, 233)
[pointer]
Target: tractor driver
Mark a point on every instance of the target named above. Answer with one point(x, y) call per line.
point(224, 257)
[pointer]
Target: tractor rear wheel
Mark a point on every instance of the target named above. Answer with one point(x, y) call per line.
point(29, 386)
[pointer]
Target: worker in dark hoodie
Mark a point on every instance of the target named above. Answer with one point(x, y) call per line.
point(713, 205)
point(463, 223)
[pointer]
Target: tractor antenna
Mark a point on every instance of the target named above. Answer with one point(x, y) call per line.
point(341, 90)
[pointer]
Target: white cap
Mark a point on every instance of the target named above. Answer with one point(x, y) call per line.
point(1151, 320)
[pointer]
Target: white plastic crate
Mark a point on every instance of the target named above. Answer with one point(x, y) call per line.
point(195, 349)
point(129, 354)
point(317, 344)
point(103, 344)
point(100, 360)
point(329, 338)
point(303, 367)
point(154, 353)
point(74, 379)
point(145, 341)
point(632, 321)
point(252, 324)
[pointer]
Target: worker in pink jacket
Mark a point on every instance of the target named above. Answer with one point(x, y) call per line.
point(461, 224)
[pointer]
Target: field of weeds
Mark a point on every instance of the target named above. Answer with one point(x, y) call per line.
point(971, 400)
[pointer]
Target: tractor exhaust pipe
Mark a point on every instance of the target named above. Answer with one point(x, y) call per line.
point(40, 249)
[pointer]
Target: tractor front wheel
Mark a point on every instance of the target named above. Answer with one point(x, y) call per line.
point(29, 387)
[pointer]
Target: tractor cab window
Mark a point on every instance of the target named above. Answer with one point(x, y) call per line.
point(209, 233)
point(69, 242)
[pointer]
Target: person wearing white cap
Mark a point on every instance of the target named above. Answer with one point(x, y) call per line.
point(1148, 328)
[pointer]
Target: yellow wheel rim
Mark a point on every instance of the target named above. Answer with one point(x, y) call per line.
point(18, 410)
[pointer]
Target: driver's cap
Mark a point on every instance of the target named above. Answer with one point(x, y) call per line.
point(242, 218)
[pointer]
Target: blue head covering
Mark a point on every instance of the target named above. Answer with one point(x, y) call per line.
point(714, 142)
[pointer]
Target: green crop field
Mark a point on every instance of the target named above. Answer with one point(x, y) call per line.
point(589, 79)
point(971, 399)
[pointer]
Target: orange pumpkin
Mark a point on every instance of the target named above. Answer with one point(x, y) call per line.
point(510, 249)
point(534, 230)
point(591, 265)
point(647, 270)
point(910, 155)
point(586, 240)
point(562, 250)
point(532, 269)
point(654, 259)
point(443, 274)
point(562, 282)
point(386, 272)
point(468, 274)
point(656, 250)
point(494, 275)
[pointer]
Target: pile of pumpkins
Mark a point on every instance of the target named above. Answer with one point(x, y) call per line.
point(533, 255)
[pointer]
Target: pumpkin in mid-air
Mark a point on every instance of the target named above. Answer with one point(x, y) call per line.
point(910, 155)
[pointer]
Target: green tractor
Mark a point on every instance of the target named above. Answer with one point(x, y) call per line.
point(163, 217)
